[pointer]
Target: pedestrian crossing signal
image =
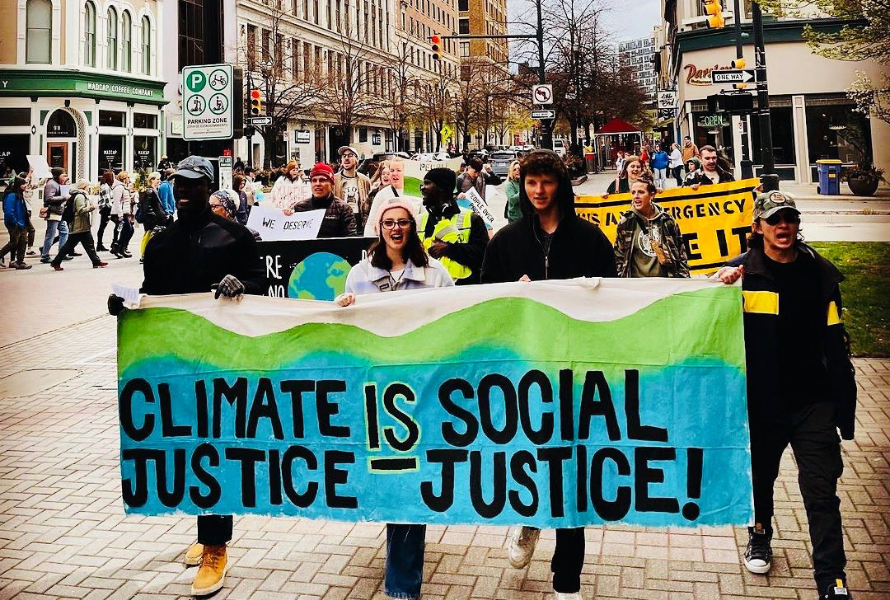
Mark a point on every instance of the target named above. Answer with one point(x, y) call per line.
point(436, 46)
point(715, 14)
point(256, 102)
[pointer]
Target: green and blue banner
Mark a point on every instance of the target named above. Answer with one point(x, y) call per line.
point(554, 404)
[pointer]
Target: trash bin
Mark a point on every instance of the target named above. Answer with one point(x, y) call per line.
point(829, 177)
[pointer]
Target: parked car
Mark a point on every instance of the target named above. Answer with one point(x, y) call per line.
point(500, 162)
point(559, 147)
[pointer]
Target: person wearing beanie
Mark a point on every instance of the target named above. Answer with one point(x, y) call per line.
point(397, 261)
point(339, 220)
point(81, 227)
point(353, 187)
point(456, 236)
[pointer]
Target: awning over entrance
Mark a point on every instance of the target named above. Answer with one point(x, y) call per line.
point(87, 85)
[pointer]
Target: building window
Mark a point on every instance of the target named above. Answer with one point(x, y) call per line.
point(146, 46)
point(89, 34)
point(836, 131)
point(127, 42)
point(463, 5)
point(295, 59)
point(464, 49)
point(782, 126)
point(251, 47)
point(464, 27)
point(111, 39)
point(111, 118)
point(191, 33)
point(39, 41)
point(145, 121)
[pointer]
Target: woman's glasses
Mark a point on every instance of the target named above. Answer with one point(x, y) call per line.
point(392, 223)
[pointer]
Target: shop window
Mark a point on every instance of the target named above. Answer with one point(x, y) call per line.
point(38, 44)
point(145, 121)
point(782, 126)
point(89, 34)
point(837, 131)
point(111, 39)
point(362, 134)
point(111, 118)
point(146, 46)
point(14, 150)
point(111, 153)
point(144, 152)
point(127, 42)
point(61, 124)
point(15, 117)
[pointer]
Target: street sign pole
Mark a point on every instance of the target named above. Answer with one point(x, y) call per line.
point(769, 179)
point(546, 125)
point(746, 165)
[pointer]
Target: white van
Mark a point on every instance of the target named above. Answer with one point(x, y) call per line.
point(559, 147)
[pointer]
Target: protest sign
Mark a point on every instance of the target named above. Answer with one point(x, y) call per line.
point(479, 206)
point(310, 269)
point(275, 226)
point(391, 410)
point(715, 219)
point(416, 169)
point(39, 167)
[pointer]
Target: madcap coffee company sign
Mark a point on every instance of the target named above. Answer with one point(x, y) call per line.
point(701, 76)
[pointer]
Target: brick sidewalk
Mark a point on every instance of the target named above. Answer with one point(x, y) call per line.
point(63, 533)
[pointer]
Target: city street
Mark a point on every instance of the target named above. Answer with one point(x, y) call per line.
point(63, 532)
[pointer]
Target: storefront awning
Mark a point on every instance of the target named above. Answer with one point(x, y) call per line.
point(18, 83)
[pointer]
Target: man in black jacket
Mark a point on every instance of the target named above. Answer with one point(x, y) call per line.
point(711, 172)
point(801, 387)
point(198, 253)
point(549, 242)
point(339, 220)
point(455, 236)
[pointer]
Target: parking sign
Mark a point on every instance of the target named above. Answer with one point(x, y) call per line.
point(207, 92)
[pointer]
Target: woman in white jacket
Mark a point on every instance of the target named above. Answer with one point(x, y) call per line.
point(397, 261)
point(289, 189)
point(676, 164)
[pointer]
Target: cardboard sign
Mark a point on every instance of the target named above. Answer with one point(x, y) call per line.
point(480, 206)
point(388, 411)
point(715, 219)
point(274, 226)
point(39, 166)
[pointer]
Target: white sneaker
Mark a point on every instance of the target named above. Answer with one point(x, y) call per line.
point(573, 596)
point(522, 546)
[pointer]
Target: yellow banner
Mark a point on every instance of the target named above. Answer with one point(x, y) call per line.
point(714, 220)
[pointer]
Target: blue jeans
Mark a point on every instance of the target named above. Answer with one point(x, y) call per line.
point(51, 228)
point(404, 560)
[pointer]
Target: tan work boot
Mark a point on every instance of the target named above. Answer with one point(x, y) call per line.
point(212, 573)
point(193, 554)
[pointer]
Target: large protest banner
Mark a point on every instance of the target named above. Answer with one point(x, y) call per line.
point(715, 219)
point(310, 269)
point(554, 404)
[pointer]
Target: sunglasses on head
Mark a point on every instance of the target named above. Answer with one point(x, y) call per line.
point(792, 218)
point(392, 223)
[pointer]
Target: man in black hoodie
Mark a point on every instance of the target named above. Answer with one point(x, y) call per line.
point(549, 242)
point(201, 252)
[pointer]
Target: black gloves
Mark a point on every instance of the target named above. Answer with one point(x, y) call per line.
point(115, 305)
point(229, 287)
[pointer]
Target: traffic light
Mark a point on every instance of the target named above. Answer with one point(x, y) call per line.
point(436, 45)
point(256, 103)
point(739, 63)
point(715, 13)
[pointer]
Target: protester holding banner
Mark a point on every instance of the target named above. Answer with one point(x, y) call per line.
point(711, 172)
point(289, 189)
point(456, 236)
point(630, 172)
point(549, 242)
point(353, 187)
point(198, 253)
point(648, 242)
point(339, 220)
point(397, 261)
point(801, 386)
point(54, 204)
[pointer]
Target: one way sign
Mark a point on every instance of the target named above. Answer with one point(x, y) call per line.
point(733, 76)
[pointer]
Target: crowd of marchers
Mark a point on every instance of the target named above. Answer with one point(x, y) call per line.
point(801, 390)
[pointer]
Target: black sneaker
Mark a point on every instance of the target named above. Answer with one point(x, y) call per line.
point(759, 554)
point(837, 590)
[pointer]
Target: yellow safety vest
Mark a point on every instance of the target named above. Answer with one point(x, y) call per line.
point(453, 230)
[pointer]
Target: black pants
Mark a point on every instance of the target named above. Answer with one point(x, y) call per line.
point(214, 530)
point(568, 560)
point(678, 175)
point(31, 231)
point(85, 239)
point(104, 214)
point(114, 219)
point(124, 233)
point(16, 245)
point(812, 435)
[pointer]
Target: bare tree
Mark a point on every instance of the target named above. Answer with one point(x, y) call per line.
point(275, 65)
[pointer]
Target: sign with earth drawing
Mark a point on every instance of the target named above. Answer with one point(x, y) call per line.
point(310, 269)
point(207, 92)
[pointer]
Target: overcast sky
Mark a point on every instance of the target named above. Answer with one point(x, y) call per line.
point(635, 18)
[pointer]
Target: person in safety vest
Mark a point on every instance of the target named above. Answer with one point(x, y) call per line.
point(454, 236)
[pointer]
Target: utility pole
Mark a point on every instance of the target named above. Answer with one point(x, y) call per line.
point(746, 164)
point(546, 124)
point(768, 179)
